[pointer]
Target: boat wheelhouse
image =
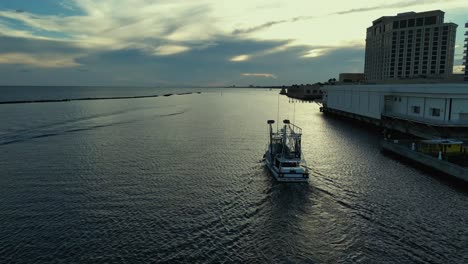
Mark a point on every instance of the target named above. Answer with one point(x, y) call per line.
point(284, 154)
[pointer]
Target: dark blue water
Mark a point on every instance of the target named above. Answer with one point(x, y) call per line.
point(178, 180)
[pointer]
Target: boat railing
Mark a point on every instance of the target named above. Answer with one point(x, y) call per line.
point(293, 130)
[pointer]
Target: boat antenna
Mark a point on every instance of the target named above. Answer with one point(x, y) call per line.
point(294, 115)
point(270, 122)
point(277, 113)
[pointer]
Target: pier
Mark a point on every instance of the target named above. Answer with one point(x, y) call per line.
point(417, 111)
point(407, 150)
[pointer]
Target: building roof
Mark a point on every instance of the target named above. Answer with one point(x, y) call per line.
point(408, 14)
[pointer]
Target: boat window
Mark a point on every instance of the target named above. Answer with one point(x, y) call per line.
point(289, 164)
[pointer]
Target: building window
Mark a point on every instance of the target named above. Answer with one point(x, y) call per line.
point(419, 22)
point(403, 24)
point(435, 111)
point(432, 20)
point(416, 109)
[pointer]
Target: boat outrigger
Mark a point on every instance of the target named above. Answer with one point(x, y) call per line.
point(283, 156)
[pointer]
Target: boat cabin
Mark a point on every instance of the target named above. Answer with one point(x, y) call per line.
point(286, 163)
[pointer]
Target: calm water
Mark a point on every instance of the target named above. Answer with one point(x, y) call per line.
point(178, 179)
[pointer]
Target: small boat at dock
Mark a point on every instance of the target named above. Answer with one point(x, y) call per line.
point(283, 156)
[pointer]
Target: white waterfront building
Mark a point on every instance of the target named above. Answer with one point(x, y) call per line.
point(434, 105)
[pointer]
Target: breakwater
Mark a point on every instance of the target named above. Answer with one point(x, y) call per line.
point(89, 98)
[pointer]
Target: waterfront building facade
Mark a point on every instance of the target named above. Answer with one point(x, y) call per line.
point(410, 46)
point(305, 92)
point(425, 110)
point(351, 77)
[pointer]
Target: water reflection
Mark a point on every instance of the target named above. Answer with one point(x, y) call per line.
point(186, 186)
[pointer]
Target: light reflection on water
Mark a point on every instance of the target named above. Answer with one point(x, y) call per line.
point(178, 179)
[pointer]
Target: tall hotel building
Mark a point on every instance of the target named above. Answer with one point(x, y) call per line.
point(410, 45)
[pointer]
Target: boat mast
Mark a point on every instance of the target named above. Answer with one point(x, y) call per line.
point(285, 132)
point(270, 122)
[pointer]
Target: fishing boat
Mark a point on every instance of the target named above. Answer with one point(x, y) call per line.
point(283, 156)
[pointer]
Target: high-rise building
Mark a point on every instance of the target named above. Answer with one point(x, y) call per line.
point(410, 45)
point(465, 53)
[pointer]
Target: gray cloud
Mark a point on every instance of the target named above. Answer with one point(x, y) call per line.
point(270, 24)
point(36, 46)
point(171, 24)
point(204, 66)
point(401, 4)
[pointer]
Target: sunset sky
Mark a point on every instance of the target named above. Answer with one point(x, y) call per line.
point(205, 42)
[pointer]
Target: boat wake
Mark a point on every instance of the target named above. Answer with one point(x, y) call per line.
point(76, 125)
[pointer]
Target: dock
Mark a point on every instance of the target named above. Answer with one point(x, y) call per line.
point(441, 165)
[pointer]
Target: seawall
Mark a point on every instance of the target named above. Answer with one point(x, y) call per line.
point(440, 165)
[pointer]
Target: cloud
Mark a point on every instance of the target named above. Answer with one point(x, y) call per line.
point(166, 50)
point(458, 69)
point(239, 58)
point(33, 45)
point(269, 24)
point(201, 67)
point(402, 4)
point(67, 5)
point(264, 75)
point(119, 24)
point(38, 60)
point(39, 52)
point(316, 53)
point(201, 42)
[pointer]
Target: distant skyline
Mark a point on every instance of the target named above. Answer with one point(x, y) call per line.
point(201, 43)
